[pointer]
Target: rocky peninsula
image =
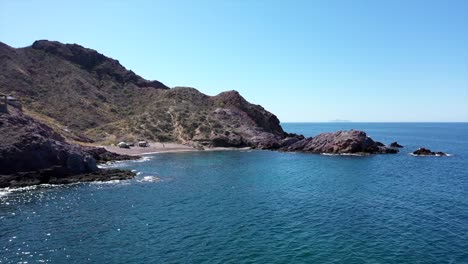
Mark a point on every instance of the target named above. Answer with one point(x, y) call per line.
point(340, 142)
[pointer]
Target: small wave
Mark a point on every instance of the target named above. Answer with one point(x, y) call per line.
point(150, 179)
point(113, 182)
point(143, 159)
point(120, 163)
point(436, 155)
point(108, 165)
point(6, 191)
point(112, 164)
point(344, 154)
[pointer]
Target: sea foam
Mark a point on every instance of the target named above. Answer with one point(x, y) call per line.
point(150, 179)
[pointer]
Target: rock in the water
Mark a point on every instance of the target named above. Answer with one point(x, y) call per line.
point(395, 145)
point(100, 175)
point(428, 152)
point(341, 142)
point(379, 144)
point(59, 175)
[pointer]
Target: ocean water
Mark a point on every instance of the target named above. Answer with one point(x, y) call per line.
point(258, 207)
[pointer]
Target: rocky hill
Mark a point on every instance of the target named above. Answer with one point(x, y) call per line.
point(90, 97)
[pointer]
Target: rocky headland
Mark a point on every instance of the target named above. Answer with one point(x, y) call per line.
point(340, 142)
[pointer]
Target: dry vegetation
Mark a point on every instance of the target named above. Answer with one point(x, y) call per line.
point(86, 96)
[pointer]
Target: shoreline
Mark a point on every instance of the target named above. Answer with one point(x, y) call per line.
point(157, 148)
point(108, 174)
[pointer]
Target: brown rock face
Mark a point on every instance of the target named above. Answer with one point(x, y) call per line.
point(28, 145)
point(341, 142)
point(262, 118)
point(32, 153)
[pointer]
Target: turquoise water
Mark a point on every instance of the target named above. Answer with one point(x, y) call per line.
point(258, 207)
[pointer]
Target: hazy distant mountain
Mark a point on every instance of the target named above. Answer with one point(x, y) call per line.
point(340, 121)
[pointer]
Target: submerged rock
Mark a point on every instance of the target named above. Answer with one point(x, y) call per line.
point(428, 152)
point(341, 142)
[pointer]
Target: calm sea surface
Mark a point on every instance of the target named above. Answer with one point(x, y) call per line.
point(258, 207)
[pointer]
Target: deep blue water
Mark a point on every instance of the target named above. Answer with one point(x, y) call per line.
point(258, 207)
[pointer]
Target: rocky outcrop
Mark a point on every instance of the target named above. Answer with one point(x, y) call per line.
point(58, 175)
point(28, 145)
point(341, 142)
point(262, 118)
point(395, 145)
point(101, 155)
point(428, 152)
point(32, 153)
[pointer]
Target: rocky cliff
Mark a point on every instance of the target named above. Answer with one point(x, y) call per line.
point(32, 153)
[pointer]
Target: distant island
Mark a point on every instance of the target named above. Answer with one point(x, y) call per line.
point(340, 121)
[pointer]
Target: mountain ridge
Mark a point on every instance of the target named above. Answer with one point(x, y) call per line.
point(99, 100)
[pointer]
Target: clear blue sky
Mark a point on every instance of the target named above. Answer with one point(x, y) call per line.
point(398, 60)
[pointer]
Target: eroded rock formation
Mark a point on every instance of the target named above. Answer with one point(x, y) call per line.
point(340, 142)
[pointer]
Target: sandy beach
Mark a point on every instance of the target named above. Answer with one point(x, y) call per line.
point(157, 147)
